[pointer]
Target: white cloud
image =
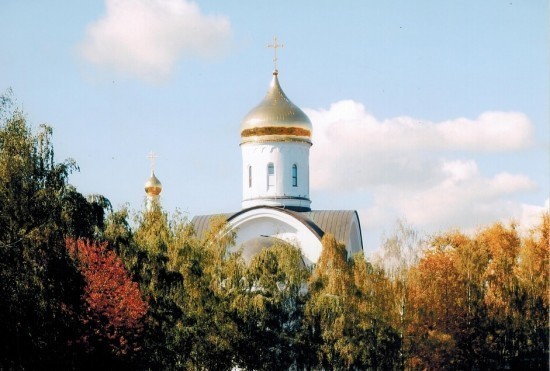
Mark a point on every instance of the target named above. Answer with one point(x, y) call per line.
point(347, 121)
point(422, 171)
point(459, 201)
point(460, 170)
point(491, 131)
point(354, 150)
point(145, 38)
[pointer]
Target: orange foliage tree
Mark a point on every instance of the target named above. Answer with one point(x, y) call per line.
point(533, 274)
point(113, 307)
point(481, 302)
point(436, 301)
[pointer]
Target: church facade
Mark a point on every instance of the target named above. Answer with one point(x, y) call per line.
point(275, 142)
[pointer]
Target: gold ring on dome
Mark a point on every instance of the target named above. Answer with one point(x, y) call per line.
point(276, 130)
point(153, 186)
point(276, 133)
point(154, 191)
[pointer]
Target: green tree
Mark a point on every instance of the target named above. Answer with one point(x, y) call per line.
point(349, 313)
point(328, 310)
point(268, 308)
point(145, 253)
point(374, 317)
point(187, 324)
point(212, 278)
point(40, 288)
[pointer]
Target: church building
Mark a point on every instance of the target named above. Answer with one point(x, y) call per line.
point(276, 205)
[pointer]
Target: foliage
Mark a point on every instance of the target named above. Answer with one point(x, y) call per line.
point(114, 310)
point(145, 253)
point(80, 289)
point(435, 301)
point(348, 321)
point(269, 307)
point(482, 301)
point(39, 284)
point(453, 304)
point(401, 251)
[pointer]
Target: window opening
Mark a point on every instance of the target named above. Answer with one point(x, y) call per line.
point(294, 175)
point(270, 176)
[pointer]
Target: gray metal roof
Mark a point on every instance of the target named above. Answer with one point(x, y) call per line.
point(336, 222)
point(201, 223)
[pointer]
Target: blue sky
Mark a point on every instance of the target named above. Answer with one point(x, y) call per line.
point(436, 112)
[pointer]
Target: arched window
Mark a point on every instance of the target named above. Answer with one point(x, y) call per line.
point(294, 175)
point(270, 176)
point(249, 176)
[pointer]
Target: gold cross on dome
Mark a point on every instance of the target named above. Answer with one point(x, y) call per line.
point(275, 46)
point(152, 156)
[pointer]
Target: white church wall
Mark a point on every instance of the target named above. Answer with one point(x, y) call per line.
point(274, 223)
point(256, 158)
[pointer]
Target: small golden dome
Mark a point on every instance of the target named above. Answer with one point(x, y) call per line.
point(153, 186)
point(276, 118)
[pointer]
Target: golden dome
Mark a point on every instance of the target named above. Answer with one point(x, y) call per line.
point(153, 186)
point(276, 118)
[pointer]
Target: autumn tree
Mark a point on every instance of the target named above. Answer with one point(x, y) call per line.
point(532, 271)
point(502, 291)
point(481, 301)
point(401, 250)
point(502, 270)
point(114, 309)
point(436, 297)
point(470, 258)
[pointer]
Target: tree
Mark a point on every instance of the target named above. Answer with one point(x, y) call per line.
point(376, 314)
point(114, 309)
point(328, 309)
point(146, 257)
point(39, 285)
point(470, 258)
point(349, 314)
point(268, 308)
point(481, 301)
point(212, 279)
point(401, 251)
point(532, 271)
point(436, 297)
point(502, 291)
